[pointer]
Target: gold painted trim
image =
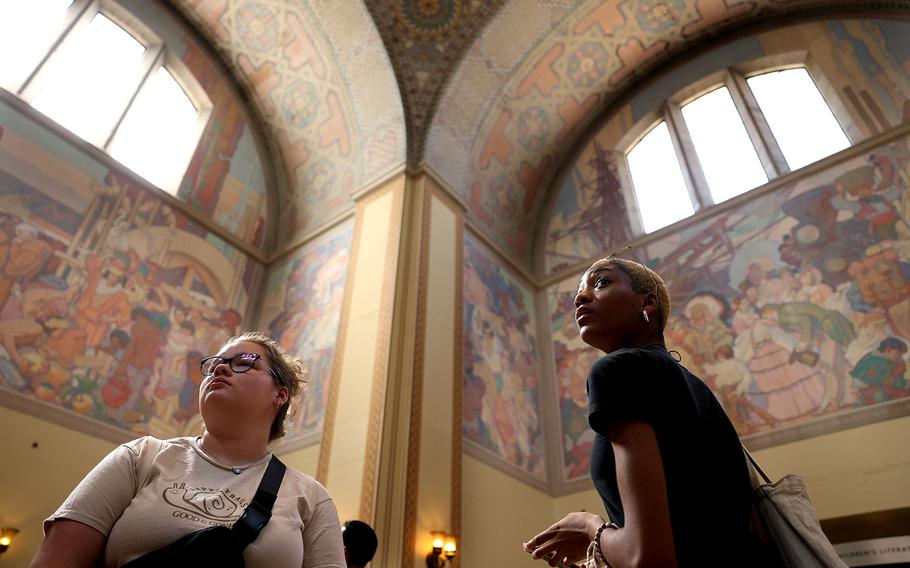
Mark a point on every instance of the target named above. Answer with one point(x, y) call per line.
point(413, 452)
point(331, 406)
point(381, 364)
point(457, 381)
point(831, 161)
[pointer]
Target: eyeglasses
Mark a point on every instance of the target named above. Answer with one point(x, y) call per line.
point(239, 363)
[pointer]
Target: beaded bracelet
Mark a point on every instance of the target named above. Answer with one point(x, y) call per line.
point(598, 553)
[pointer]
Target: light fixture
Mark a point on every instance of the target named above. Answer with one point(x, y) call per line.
point(7, 534)
point(444, 549)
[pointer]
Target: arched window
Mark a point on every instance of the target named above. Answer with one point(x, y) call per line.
point(803, 124)
point(659, 185)
point(112, 83)
point(734, 134)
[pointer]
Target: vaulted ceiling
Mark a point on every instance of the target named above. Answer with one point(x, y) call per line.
point(492, 95)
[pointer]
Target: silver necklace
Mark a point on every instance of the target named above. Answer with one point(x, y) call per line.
point(237, 469)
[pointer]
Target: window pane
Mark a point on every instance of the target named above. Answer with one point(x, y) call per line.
point(156, 138)
point(91, 78)
point(659, 186)
point(27, 30)
point(726, 154)
point(802, 122)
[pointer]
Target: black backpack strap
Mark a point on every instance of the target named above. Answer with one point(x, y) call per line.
point(258, 513)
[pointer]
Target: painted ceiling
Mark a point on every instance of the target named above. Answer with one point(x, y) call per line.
point(492, 95)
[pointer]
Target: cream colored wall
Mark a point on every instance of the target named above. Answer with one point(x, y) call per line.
point(434, 485)
point(849, 472)
point(498, 514)
point(365, 347)
point(34, 481)
point(305, 460)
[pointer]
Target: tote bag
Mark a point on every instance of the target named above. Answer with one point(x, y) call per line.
point(787, 518)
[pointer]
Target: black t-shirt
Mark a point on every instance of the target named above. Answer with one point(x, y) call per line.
point(707, 479)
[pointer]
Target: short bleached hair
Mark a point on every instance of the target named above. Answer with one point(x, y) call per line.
point(644, 281)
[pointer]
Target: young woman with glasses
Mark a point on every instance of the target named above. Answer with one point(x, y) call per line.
point(666, 461)
point(149, 492)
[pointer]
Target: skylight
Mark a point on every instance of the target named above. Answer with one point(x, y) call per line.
point(660, 188)
point(27, 30)
point(725, 152)
point(91, 78)
point(799, 117)
point(156, 138)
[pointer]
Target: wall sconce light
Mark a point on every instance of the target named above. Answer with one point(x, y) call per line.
point(7, 534)
point(444, 549)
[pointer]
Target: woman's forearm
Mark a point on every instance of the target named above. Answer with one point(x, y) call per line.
point(70, 544)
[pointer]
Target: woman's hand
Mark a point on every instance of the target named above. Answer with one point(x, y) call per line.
point(565, 542)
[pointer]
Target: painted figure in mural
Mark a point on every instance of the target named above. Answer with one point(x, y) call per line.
point(21, 258)
point(104, 302)
point(117, 514)
point(881, 374)
point(660, 432)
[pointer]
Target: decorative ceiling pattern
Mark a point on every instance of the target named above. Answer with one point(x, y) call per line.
point(426, 40)
point(321, 79)
point(539, 74)
point(502, 90)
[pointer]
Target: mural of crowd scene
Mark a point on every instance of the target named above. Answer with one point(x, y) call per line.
point(302, 311)
point(108, 297)
point(793, 307)
point(225, 178)
point(501, 397)
point(864, 62)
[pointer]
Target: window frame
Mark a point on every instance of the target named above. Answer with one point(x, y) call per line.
point(79, 14)
point(757, 128)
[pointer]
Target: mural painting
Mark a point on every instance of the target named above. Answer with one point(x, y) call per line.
point(501, 397)
point(321, 80)
point(302, 311)
point(225, 178)
point(792, 307)
point(108, 297)
point(589, 215)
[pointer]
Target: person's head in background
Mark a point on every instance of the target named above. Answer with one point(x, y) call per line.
point(360, 543)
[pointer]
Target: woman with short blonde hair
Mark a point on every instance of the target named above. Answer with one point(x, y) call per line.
point(666, 460)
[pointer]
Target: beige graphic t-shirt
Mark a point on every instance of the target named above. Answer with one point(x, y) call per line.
point(148, 493)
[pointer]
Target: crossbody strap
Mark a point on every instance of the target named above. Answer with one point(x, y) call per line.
point(259, 511)
point(755, 465)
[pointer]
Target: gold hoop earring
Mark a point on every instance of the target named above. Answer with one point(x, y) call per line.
point(644, 313)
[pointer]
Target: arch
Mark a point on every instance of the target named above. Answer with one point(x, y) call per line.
point(322, 83)
point(510, 116)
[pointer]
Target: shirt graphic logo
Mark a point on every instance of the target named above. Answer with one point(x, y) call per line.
point(215, 505)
